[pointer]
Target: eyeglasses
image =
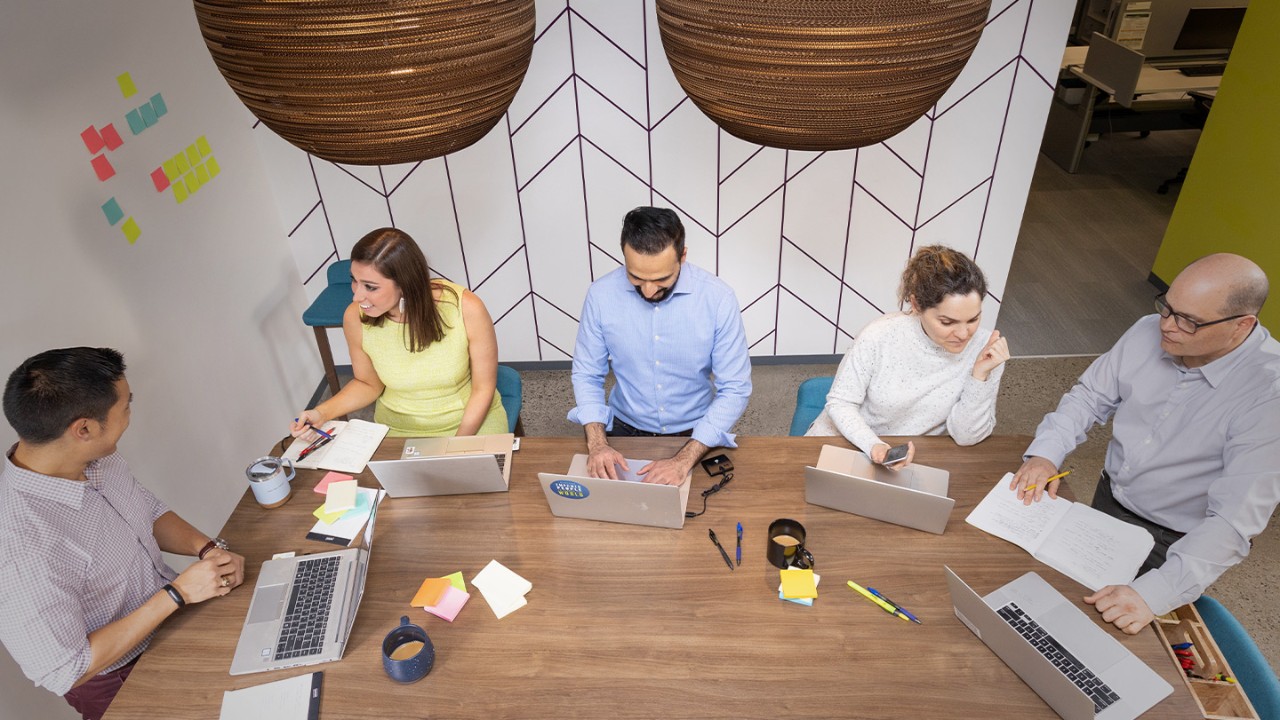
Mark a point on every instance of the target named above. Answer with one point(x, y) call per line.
point(1184, 323)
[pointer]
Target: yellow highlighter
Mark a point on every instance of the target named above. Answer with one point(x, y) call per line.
point(883, 605)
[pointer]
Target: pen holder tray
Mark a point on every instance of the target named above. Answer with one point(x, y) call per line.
point(1217, 699)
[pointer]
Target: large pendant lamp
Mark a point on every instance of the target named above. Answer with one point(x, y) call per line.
point(818, 74)
point(368, 82)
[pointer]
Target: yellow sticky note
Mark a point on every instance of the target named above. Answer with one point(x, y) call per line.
point(457, 581)
point(430, 592)
point(202, 175)
point(212, 164)
point(192, 183)
point(340, 497)
point(179, 192)
point(131, 230)
point(127, 88)
point(798, 584)
point(193, 155)
point(180, 161)
point(203, 146)
point(170, 169)
point(327, 518)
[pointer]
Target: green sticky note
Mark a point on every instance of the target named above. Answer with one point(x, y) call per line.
point(457, 581)
point(127, 88)
point(157, 104)
point(112, 210)
point(131, 230)
point(170, 169)
point(179, 192)
point(193, 155)
point(202, 144)
point(202, 175)
point(212, 164)
point(148, 115)
point(181, 161)
point(136, 123)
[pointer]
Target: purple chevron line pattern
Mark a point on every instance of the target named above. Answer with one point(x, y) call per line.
point(812, 243)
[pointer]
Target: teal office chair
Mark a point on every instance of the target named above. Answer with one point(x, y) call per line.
point(810, 399)
point(326, 312)
point(512, 391)
point(1250, 666)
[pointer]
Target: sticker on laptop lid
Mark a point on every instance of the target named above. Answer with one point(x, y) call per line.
point(569, 489)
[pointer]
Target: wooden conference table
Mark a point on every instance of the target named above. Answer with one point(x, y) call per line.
point(639, 622)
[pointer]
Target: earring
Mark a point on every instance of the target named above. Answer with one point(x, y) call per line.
point(401, 304)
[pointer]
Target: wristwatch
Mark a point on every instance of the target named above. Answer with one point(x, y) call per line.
point(214, 543)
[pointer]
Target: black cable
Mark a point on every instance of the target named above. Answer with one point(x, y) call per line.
point(710, 491)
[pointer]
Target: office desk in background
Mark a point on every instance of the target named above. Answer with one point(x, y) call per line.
point(639, 622)
point(1080, 108)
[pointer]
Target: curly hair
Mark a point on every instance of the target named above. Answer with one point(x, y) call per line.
point(937, 271)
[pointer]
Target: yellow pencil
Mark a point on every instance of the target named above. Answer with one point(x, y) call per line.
point(1059, 476)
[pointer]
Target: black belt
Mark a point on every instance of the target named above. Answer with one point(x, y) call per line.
point(624, 429)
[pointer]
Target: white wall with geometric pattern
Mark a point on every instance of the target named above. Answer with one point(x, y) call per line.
point(811, 242)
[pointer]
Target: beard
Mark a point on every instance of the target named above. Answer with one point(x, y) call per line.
point(658, 297)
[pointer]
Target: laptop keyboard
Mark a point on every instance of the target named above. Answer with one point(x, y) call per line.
point(1098, 691)
point(306, 620)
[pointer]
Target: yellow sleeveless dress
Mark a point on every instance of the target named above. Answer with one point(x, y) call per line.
point(427, 391)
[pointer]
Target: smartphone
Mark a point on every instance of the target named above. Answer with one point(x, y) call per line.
point(717, 464)
point(895, 455)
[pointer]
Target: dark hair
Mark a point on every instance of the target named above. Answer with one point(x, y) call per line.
point(1246, 296)
point(937, 271)
point(49, 391)
point(398, 258)
point(650, 230)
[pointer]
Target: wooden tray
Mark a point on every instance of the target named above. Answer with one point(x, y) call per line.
point(1218, 699)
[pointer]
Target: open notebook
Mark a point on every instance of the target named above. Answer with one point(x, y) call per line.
point(354, 442)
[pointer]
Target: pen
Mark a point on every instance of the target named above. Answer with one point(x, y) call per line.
point(319, 432)
point(883, 605)
point(321, 442)
point(739, 550)
point(720, 547)
point(901, 609)
point(1059, 476)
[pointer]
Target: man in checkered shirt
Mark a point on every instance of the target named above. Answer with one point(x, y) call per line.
point(80, 539)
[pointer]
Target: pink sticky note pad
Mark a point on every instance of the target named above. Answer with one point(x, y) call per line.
point(102, 166)
point(322, 487)
point(450, 604)
point(160, 180)
point(92, 139)
point(111, 137)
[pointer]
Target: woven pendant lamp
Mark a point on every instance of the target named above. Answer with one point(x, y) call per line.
point(369, 82)
point(818, 74)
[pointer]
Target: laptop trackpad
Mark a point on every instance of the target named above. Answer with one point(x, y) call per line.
point(1089, 643)
point(268, 603)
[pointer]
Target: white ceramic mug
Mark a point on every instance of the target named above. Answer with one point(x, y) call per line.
point(269, 479)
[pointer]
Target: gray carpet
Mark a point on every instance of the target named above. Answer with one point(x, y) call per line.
point(1031, 387)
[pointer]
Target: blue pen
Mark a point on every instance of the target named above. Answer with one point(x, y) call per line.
point(739, 550)
point(319, 432)
point(900, 609)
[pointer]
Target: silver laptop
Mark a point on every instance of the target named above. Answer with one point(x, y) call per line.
point(280, 631)
point(448, 466)
point(578, 495)
point(1047, 641)
point(847, 480)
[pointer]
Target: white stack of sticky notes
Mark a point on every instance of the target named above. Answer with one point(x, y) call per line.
point(502, 589)
point(798, 586)
point(443, 596)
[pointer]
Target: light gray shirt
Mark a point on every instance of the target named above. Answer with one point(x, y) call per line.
point(75, 556)
point(1196, 450)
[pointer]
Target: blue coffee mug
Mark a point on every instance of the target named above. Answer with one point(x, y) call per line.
point(402, 657)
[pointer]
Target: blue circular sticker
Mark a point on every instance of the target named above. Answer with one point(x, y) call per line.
point(570, 489)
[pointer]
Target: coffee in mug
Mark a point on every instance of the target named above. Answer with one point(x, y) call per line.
point(786, 545)
point(407, 652)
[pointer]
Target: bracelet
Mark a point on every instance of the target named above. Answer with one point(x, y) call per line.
point(214, 543)
point(173, 593)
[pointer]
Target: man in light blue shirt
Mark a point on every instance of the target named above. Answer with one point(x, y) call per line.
point(666, 328)
point(1194, 393)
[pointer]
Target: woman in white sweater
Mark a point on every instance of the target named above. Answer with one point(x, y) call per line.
point(928, 371)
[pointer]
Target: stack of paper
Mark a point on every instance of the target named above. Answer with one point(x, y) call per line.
point(293, 698)
point(443, 596)
point(502, 589)
point(342, 527)
point(798, 586)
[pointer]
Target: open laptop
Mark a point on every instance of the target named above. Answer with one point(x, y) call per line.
point(448, 466)
point(578, 495)
point(1071, 663)
point(303, 608)
point(847, 480)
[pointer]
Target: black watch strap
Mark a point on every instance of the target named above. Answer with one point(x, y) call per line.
point(173, 593)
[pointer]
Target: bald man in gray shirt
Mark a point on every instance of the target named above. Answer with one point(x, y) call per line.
point(1194, 395)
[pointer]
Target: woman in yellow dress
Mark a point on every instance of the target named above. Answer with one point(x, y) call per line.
point(424, 349)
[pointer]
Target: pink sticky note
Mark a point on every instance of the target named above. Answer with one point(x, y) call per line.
point(450, 604)
point(111, 137)
point(92, 139)
point(160, 180)
point(322, 487)
point(102, 167)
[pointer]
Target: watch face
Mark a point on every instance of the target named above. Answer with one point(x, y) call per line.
point(220, 544)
